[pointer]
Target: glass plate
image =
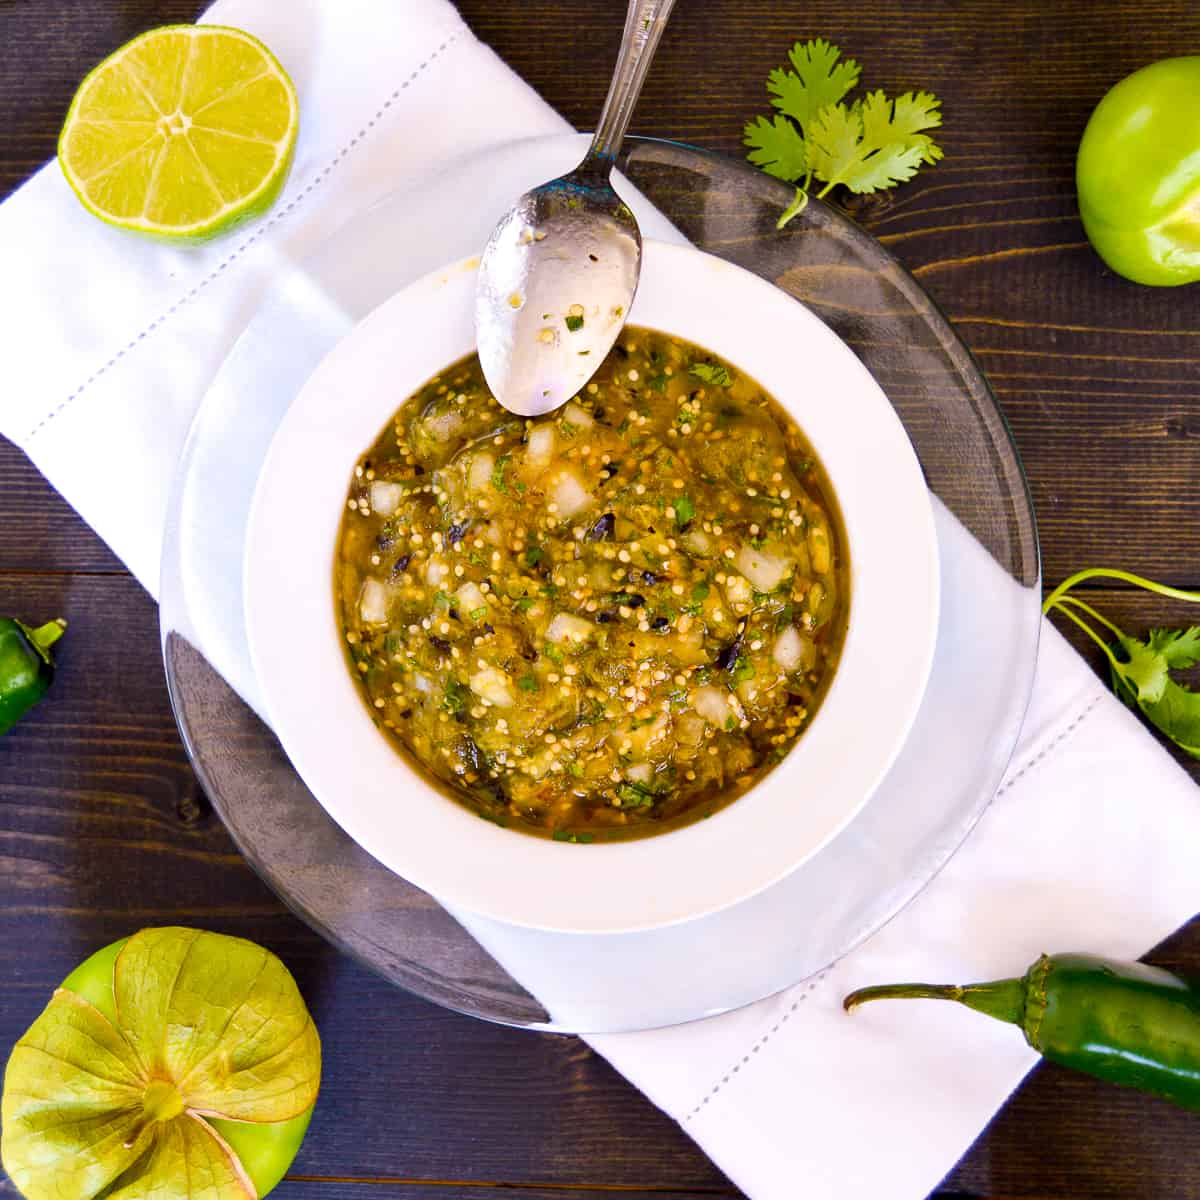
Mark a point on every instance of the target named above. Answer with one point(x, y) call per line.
point(938, 789)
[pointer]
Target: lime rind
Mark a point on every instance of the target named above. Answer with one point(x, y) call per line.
point(228, 215)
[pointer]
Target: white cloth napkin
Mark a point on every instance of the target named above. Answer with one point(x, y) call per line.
point(109, 346)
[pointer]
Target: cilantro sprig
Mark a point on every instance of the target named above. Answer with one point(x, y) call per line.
point(868, 145)
point(1141, 668)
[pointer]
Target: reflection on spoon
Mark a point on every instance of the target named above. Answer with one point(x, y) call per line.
point(560, 270)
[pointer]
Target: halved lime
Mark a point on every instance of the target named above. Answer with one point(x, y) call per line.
point(184, 132)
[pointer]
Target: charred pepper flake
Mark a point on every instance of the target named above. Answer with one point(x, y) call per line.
point(457, 532)
point(401, 564)
point(729, 655)
point(649, 578)
point(602, 530)
point(26, 666)
point(1127, 1023)
point(472, 754)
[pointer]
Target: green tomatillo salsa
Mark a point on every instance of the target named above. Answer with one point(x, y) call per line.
point(602, 623)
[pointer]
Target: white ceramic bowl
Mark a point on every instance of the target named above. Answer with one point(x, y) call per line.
point(395, 813)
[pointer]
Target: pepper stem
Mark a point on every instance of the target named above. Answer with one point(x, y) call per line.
point(1004, 999)
point(46, 635)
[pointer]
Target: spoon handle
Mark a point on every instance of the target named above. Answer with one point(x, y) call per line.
point(644, 24)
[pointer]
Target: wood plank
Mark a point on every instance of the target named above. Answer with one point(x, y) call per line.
point(42, 532)
point(389, 1189)
point(294, 1188)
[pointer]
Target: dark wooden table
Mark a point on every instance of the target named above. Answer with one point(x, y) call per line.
point(103, 829)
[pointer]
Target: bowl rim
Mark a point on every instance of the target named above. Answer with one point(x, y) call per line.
point(672, 877)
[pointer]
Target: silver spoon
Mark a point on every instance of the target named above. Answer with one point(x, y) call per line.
point(561, 268)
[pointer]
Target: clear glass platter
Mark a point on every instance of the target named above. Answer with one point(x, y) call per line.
point(934, 795)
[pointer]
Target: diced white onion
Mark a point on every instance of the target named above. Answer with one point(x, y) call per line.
point(470, 599)
point(373, 603)
point(698, 542)
point(688, 648)
point(437, 570)
point(689, 729)
point(791, 649)
point(579, 417)
point(540, 449)
point(738, 593)
point(385, 497)
point(711, 703)
point(645, 736)
point(818, 547)
point(444, 425)
point(479, 473)
point(564, 628)
point(765, 571)
point(569, 495)
point(641, 773)
point(492, 685)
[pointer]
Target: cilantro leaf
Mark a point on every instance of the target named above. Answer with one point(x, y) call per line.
point(1144, 672)
point(711, 373)
point(1141, 668)
point(777, 146)
point(867, 145)
point(635, 795)
point(907, 116)
point(1180, 647)
point(816, 81)
point(875, 145)
point(1177, 715)
point(498, 480)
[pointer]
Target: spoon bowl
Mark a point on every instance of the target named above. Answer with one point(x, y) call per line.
point(561, 268)
point(555, 284)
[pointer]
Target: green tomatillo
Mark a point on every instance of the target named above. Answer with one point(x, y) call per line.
point(172, 1063)
point(1138, 174)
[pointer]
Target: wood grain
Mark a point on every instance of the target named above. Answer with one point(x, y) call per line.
point(101, 825)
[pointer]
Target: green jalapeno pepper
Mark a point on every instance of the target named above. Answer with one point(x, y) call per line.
point(1127, 1023)
point(26, 667)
